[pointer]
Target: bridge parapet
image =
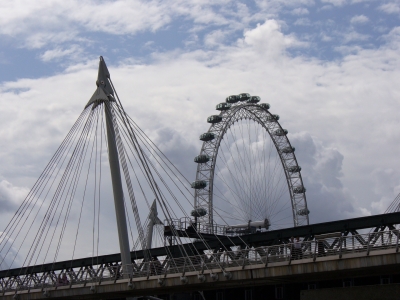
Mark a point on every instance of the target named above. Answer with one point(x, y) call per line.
point(207, 264)
point(186, 224)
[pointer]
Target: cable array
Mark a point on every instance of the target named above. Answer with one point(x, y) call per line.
point(67, 213)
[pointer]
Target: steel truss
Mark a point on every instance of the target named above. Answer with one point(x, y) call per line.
point(335, 238)
point(338, 246)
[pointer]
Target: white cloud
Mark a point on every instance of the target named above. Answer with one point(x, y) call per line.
point(36, 40)
point(325, 37)
point(11, 196)
point(55, 22)
point(335, 2)
point(9, 256)
point(276, 6)
point(116, 17)
point(74, 51)
point(386, 187)
point(300, 11)
point(321, 166)
point(302, 22)
point(214, 38)
point(348, 50)
point(267, 39)
point(360, 19)
point(390, 8)
point(353, 36)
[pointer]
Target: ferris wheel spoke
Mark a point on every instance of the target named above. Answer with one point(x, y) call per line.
point(272, 189)
point(227, 201)
point(240, 182)
point(238, 189)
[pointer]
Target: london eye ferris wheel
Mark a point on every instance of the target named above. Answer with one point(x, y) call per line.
point(247, 173)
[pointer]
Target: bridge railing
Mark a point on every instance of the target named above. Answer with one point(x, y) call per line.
point(220, 260)
point(185, 223)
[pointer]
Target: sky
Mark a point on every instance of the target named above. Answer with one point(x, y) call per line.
point(329, 68)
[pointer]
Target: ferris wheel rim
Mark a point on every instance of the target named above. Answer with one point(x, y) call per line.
point(227, 118)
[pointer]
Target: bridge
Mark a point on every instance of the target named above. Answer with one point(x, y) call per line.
point(209, 247)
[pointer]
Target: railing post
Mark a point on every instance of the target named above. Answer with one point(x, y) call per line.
point(315, 250)
point(266, 258)
point(244, 259)
point(397, 242)
point(369, 241)
point(148, 270)
point(340, 247)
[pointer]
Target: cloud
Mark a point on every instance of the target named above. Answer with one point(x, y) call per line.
point(390, 7)
point(214, 38)
point(267, 38)
point(178, 150)
point(9, 256)
point(386, 187)
point(360, 19)
point(77, 22)
point(353, 36)
point(302, 22)
point(325, 37)
point(118, 17)
point(300, 11)
point(11, 196)
point(328, 199)
point(57, 22)
point(335, 2)
point(74, 51)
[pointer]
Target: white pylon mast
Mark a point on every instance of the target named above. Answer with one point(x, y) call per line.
point(104, 94)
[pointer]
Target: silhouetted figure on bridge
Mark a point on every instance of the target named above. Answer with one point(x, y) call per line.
point(155, 266)
point(59, 280)
point(321, 248)
point(297, 252)
point(64, 279)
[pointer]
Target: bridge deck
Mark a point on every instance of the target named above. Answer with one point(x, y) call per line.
point(300, 270)
point(263, 265)
point(260, 239)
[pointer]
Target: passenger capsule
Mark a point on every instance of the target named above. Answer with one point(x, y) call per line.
point(199, 184)
point(272, 118)
point(200, 159)
point(303, 212)
point(198, 212)
point(299, 189)
point(214, 119)
point(280, 132)
point(223, 106)
point(244, 97)
point(288, 150)
point(208, 136)
point(254, 99)
point(294, 169)
point(232, 99)
point(265, 105)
